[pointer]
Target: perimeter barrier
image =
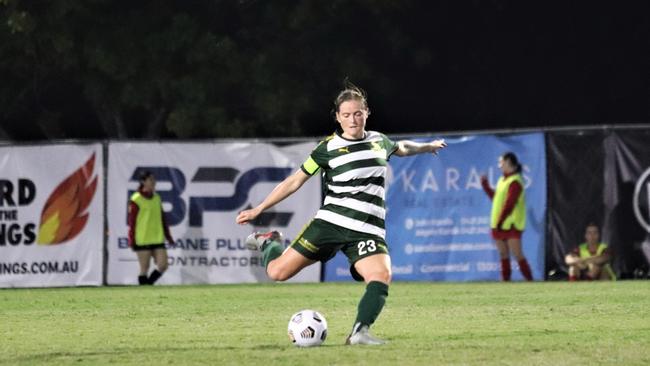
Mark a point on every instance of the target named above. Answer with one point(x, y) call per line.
point(63, 206)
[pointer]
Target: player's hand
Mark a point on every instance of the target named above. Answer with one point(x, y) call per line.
point(246, 216)
point(484, 179)
point(436, 145)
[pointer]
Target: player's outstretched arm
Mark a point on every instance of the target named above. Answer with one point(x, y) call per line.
point(408, 148)
point(283, 190)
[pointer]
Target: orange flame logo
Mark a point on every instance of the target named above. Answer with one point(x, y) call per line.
point(64, 215)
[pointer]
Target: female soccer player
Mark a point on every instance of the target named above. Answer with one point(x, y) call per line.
point(508, 214)
point(352, 217)
point(148, 229)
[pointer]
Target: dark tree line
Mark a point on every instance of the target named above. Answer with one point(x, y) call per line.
point(215, 68)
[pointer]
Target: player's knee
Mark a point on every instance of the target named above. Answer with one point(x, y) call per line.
point(384, 276)
point(277, 273)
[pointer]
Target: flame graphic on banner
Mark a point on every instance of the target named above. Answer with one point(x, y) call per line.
point(64, 215)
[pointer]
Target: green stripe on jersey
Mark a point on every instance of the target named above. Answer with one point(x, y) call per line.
point(378, 181)
point(363, 146)
point(360, 196)
point(357, 164)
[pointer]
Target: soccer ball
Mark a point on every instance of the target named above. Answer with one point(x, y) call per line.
point(307, 328)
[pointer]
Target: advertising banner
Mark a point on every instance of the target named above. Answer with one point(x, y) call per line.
point(203, 187)
point(51, 215)
point(438, 216)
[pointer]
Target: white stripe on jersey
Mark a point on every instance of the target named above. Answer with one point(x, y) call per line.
point(357, 205)
point(372, 189)
point(350, 223)
point(359, 155)
point(373, 171)
point(338, 142)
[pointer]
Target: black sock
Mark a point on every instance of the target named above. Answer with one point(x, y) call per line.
point(154, 276)
point(142, 280)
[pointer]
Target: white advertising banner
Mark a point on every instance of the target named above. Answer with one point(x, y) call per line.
point(51, 215)
point(203, 187)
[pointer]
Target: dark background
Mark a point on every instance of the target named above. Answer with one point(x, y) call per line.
point(592, 176)
point(212, 69)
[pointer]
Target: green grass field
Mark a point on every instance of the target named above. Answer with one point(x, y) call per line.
point(425, 324)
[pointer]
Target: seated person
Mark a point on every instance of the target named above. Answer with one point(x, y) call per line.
point(590, 260)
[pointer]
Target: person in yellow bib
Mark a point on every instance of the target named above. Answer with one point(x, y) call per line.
point(148, 229)
point(508, 217)
point(590, 260)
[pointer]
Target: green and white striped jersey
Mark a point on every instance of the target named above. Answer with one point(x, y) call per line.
point(355, 171)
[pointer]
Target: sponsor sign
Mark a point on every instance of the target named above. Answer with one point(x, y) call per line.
point(203, 187)
point(51, 221)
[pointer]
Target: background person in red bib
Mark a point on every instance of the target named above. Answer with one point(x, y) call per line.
point(508, 218)
point(148, 229)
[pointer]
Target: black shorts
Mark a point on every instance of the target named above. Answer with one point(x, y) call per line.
point(140, 248)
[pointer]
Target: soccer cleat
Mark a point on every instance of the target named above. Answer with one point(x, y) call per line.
point(362, 336)
point(256, 241)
